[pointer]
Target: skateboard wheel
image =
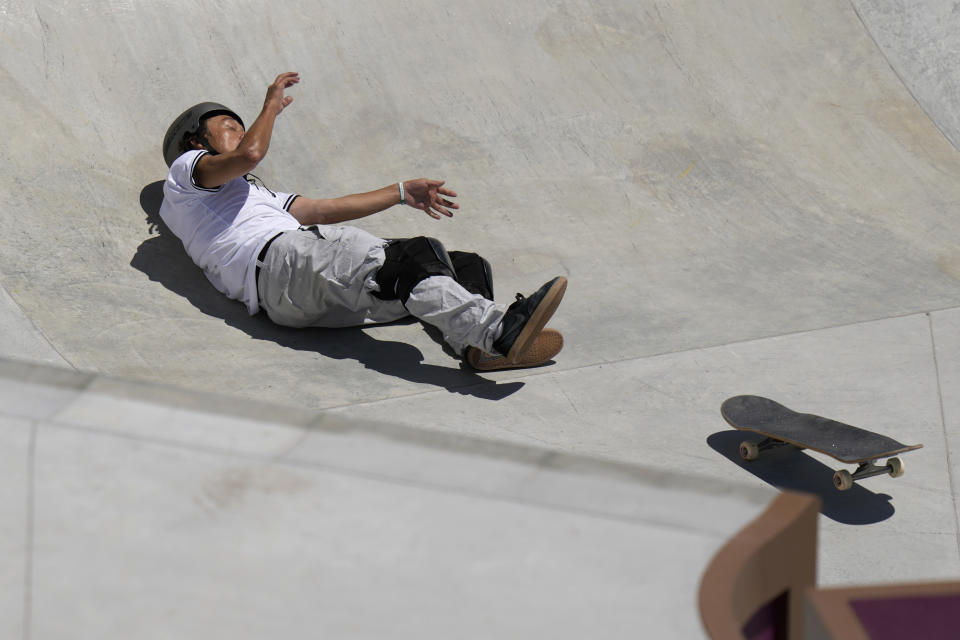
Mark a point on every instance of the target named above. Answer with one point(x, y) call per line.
point(842, 480)
point(896, 467)
point(749, 450)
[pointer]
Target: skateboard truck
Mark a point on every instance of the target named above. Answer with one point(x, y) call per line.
point(844, 480)
point(750, 450)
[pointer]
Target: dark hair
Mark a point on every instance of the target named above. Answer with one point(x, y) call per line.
point(198, 135)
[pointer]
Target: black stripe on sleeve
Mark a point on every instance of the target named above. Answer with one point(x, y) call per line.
point(193, 167)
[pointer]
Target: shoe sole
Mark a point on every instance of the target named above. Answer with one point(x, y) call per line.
point(538, 319)
point(548, 343)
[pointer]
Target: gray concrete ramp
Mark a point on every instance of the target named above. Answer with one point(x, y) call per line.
point(918, 40)
point(154, 512)
point(747, 197)
point(702, 175)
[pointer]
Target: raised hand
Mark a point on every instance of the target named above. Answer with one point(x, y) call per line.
point(275, 97)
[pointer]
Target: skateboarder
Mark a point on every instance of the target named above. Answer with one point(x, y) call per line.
point(287, 255)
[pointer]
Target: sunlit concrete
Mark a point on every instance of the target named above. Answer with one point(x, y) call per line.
point(224, 518)
point(747, 197)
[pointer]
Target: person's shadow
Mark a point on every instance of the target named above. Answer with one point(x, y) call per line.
point(162, 258)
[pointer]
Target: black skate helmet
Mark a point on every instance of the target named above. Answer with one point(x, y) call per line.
point(188, 123)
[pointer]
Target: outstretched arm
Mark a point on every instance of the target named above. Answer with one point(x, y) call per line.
point(215, 170)
point(427, 195)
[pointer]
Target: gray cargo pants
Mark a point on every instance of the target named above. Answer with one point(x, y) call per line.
point(325, 276)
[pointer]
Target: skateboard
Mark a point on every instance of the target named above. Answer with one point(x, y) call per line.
point(781, 427)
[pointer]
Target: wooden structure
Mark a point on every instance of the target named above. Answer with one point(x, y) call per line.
point(756, 582)
point(761, 585)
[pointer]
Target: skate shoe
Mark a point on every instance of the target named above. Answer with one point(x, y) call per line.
point(526, 317)
point(545, 346)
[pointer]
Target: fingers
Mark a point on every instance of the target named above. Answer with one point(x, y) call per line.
point(433, 210)
point(284, 81)
point(436, 185)
point(427, 209)
point(287, 79)
point(440, 205)
point(442, 210)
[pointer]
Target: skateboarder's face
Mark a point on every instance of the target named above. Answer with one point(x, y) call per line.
point(223, 134)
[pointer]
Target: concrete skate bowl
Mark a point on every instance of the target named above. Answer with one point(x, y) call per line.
point(703, 173)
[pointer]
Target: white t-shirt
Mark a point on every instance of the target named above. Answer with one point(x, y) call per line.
point(224, 229)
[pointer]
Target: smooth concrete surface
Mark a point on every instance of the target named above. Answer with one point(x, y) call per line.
point(663, 413)
point(22, 339)
point(702, 174)
point(918, 38)
point(948, 348)
point(15, 537)
point(747, 197)
point(346, 529)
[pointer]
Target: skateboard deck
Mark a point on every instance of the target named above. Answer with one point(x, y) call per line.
point(846, 443)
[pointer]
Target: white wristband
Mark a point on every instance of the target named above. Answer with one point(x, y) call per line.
point(403, 196)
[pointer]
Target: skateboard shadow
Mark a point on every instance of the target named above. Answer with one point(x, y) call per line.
point(795, 470)
point(162, 258)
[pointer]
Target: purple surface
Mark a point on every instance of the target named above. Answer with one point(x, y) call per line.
point(769, 622)
point(926, 617)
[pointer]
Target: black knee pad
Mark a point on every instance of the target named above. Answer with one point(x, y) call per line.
point(473, 273)
point(408, 262)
